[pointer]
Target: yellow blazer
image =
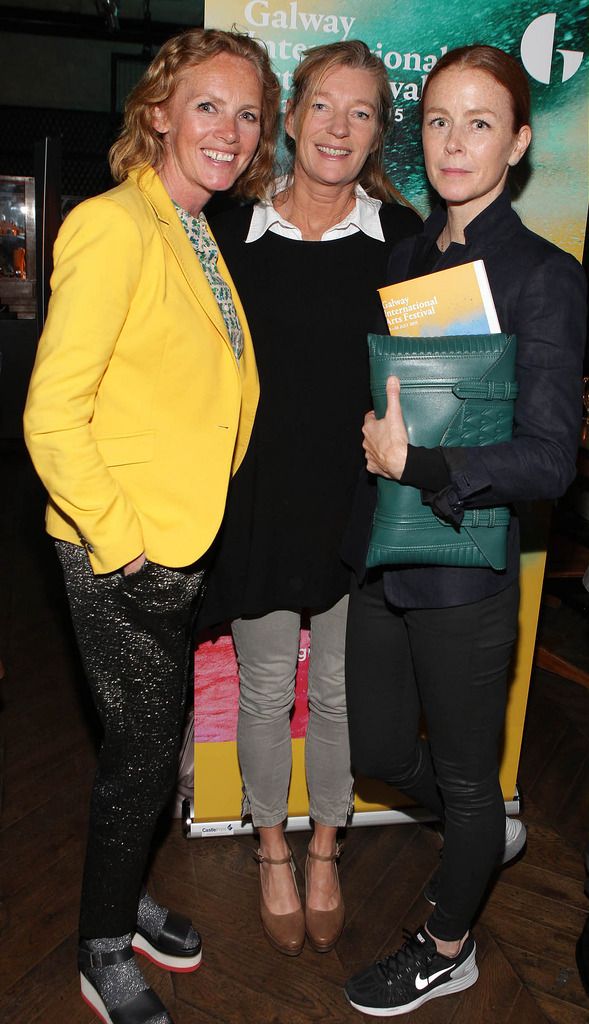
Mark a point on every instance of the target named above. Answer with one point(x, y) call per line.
point(138, 410)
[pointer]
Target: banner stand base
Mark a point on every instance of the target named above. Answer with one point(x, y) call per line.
point(210, 829)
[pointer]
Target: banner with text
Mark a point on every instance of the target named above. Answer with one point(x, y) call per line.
point(410, 37)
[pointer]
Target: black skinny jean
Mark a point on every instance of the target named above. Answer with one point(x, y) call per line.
point(452, 663)
point(134, 637)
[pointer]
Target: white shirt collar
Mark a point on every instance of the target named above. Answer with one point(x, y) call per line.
point(363, 217)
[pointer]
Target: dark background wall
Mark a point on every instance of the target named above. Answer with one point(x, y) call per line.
point(65, 68)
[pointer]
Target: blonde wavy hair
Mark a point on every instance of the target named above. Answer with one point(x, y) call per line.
point(140, 145)
point(320, 61)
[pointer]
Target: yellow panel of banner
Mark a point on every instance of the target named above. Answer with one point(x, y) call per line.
point(217, 780)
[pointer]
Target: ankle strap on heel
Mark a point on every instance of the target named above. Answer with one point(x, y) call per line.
point(260, 859)
point(326, 857)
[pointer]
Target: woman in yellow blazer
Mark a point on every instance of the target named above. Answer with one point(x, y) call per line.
point(140, 408)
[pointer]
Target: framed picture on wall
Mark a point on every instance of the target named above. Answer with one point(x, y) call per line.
point(17, 245)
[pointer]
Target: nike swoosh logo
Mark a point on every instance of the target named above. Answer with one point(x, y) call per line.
point(421, 983)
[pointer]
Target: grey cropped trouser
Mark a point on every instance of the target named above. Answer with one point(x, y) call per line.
point(267, 652)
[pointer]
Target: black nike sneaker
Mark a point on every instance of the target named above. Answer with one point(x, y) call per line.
point(410, 977)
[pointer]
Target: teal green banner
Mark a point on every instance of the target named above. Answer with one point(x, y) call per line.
point(410, 36)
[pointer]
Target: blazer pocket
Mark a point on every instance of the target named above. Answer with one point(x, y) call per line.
point(126, 450)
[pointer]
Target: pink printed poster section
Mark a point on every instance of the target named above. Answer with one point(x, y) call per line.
point(216, 690)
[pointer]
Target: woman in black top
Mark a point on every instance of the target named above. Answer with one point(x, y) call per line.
point(307, 265)
point(441, 639)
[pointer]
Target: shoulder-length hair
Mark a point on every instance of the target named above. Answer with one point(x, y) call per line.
point(140, 145)
point(320, 61)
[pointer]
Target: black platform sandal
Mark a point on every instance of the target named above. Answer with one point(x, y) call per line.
point(139, 1009)
point(167, 949)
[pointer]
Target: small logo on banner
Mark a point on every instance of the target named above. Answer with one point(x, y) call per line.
point(217, 830)
point(537, 49)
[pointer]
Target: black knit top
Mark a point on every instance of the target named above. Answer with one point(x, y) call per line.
point(309, 307)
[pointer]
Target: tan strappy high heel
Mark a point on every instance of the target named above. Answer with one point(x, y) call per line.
point(286, 932)
point(324, 927)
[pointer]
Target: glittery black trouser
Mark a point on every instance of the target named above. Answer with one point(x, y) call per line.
point(453, 664)
point(134, 637)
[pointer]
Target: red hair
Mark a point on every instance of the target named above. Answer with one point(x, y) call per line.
point(500, 65)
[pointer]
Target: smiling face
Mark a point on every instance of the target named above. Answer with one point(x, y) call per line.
point(469, 142)
point(337, 132)
point(211, 127)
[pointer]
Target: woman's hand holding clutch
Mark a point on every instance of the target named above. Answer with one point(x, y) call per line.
point(385, 440)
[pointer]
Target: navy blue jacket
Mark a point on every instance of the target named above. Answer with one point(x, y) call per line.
point(539, 293)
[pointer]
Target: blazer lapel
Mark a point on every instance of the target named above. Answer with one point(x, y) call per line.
point(175, 237)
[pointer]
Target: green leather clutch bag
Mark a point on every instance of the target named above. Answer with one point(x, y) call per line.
point(457, 390)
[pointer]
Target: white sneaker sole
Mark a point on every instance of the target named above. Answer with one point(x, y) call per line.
point(177, 964)
point(515, 846)
point(466, 979)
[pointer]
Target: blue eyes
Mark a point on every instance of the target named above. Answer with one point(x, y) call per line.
point(362, 115)
point(441, 122)
point(209, 108)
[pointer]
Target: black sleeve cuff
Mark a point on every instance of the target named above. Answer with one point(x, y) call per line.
point(425, 469)
point(445, 479)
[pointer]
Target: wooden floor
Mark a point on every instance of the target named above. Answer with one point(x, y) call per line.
point(526, 933)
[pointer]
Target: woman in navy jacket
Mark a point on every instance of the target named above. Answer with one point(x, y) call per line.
point(438, 639)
